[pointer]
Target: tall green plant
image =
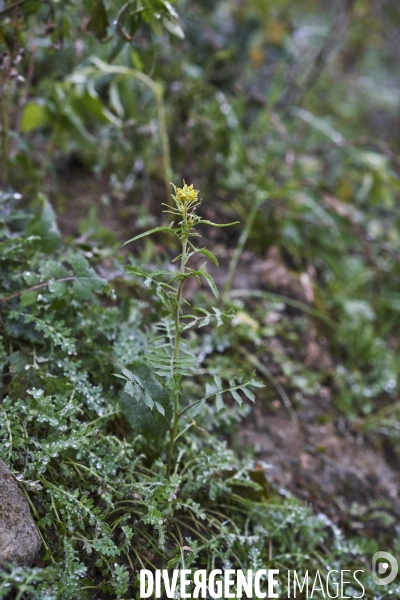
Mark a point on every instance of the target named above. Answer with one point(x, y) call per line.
point(169, 356)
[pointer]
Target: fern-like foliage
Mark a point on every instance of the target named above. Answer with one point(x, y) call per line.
point(168, 355)
point(137, 388)
point(206, 317)
point(216, 391)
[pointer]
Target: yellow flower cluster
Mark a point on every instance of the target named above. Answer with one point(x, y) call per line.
point(187, 195)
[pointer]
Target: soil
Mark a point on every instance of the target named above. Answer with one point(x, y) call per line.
point(338, 473)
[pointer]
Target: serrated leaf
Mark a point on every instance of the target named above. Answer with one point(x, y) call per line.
point(84, 286)
point(137, 392)
point(129, 388)
point(204, 322)
point(160, 408)
point(210, 282)
point(128, 374)
point(148, 399)
point(248, 393)
point(257, 384)
point(218, 316)
point(219, 403)
point(236, 397)
point(218, 382)
point(210, 390)
point(197, 409)
point(79, 264)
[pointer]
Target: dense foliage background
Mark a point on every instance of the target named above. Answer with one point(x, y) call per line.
point(286, 116)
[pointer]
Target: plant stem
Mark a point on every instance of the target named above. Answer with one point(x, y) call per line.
point(175, 356)
point(242, 242)
point(39, 286)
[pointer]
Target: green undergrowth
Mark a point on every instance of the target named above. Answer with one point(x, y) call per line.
point(287, 123)
point(94, 470)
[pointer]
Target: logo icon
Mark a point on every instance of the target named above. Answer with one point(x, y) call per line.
point(384, 568)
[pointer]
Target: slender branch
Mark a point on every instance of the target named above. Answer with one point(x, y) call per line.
point(191, 424)
point(39, 286)
point(242, 242)
point(224, 391)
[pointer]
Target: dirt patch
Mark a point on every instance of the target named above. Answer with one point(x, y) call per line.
point(339, 473)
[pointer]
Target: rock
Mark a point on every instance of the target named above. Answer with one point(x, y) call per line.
point(19, 538)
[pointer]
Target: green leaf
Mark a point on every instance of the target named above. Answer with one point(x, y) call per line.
point(84, 286)
point(218, 382)
point(236, 397)
point(79, 264)
point(117, 46)
point(209, 255)
point(210, 282)
point(29, 297)
point(219, 403)
point(98, 21)
point(128, 374)
point(198, 408)
point(137, 237)
point(128, 389)
point(257, 384)
point(115, 99)
point(160, 408)
point(204, 322)
point(219, 315)
point(163, 296)
point(140, 418)
point(148, 400)
point(34, 115)
point(173, 27)
point(88, 103)
point(58, 288)
point(128, 21)
point(209, 390)
point(248, 393)
point(52, 269)
point(44, 225)
point(204, 222)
